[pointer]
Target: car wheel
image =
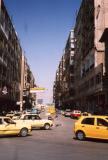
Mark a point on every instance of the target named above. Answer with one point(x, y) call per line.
point(47, 126)
point(23, 132)
point(80, 135)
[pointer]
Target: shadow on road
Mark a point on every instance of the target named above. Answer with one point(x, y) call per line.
point(93, 140)
point(14, 136)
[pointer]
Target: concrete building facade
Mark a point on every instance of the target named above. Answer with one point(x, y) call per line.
point(90, 61)
point(15, 74)
point(10, 61)
point(27, 82)
point(64, 82)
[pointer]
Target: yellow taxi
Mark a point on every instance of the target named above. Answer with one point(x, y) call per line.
point(9, 127)
point(91, 127)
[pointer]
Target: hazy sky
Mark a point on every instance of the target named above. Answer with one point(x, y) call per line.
point(43, 27)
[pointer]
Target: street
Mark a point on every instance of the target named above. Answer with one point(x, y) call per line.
point(55, 144)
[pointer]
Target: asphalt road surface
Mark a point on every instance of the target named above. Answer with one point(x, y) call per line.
point(55, 144)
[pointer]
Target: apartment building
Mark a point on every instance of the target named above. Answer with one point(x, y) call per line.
point(16, 77)
point(28, 82)
point(90, 62)
point(10, 61)
point(58, 86)
point(64, 84)
point(27, 99)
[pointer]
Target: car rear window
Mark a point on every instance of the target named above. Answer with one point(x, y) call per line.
point(89, 121)
point(76, 112)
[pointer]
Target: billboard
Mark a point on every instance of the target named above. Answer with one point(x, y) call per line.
point(37, 89)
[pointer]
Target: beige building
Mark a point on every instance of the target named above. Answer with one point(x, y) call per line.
point(64, 82)
point(90, 61)
point(27, 99)
point(59, 85)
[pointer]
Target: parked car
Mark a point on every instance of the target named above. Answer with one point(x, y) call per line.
point(86, 114)
point(91, 127)
point(10, 114)
point(9, 127)
point(16, 116)
point(35, 111)
point(75, 114)
point(13, 115)
point(67, 113)
point(36, 121)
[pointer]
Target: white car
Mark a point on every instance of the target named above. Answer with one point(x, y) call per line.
point(35, 121)
point(67, 113)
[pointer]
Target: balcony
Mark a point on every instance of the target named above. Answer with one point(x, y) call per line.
point(2, 61)
point(92, 82)
point(105, 82)
point(4, 31)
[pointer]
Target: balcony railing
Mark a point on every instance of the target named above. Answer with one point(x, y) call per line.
point(92, 82)
point(3, 62)
point(105, 82)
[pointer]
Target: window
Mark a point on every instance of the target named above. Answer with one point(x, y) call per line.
point(33, 118)
point(7, 120)
point(102, 122)
point(89, 121)
point(1, 121)
point(98, 78)
point(26, 117)
point(37, 117)
point(91, 82)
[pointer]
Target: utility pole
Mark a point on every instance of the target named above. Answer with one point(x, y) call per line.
point(22, 83)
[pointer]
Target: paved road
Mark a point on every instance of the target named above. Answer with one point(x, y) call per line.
point(55, 144)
